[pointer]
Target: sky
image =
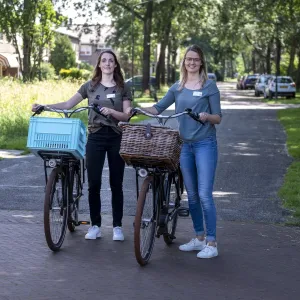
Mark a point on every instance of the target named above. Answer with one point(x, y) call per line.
point(70, 12)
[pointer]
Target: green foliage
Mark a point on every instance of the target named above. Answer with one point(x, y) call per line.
point(63, 55)
point(86, 66)
point(47, 71)
point(74, 73)
point(34, 22)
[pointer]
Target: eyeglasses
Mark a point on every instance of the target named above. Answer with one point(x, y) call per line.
point(191, 59)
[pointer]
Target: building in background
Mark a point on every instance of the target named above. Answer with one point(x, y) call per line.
point(9, 64)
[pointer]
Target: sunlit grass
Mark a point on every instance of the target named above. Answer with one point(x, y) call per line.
point(283, 100)
point(16, 99)
point(290, 191)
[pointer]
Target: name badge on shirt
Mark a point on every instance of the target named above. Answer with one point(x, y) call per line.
point(197, 94)
point(109, 96)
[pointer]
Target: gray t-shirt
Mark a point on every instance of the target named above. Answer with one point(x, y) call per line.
point(206, 99)
point(111, 97)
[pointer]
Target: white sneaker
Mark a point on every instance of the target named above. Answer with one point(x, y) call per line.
point(193, 244)
point(94, 232)
point(208, 252)
point(118, 234)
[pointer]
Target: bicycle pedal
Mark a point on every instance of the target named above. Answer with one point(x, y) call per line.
point(183, 212)
point(84, 222)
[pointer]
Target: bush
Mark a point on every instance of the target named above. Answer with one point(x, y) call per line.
point(86, 66)
point(74, 73)
point(47, 71)
point(63, 55)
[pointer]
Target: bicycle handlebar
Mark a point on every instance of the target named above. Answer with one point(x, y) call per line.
point(187, 111)
point(69, 113)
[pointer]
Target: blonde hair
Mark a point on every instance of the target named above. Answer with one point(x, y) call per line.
point(202, 70)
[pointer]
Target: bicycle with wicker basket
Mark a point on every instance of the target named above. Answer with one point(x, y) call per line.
point(154, 151)
point(60, 142)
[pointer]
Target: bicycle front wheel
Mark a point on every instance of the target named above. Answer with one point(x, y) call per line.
point(56, 209)
point(173, 196)
point(75, 192)
point(145, 222)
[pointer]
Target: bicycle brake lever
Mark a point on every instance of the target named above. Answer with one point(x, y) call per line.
point(39, 110)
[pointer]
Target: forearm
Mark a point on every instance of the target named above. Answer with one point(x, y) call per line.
point(152, 110)
point(121, 116)
point(214, 119)
point(73, 101)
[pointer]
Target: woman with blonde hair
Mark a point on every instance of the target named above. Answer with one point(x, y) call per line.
point(198, 158)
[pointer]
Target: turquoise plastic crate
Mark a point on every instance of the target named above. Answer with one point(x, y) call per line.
point(56, 135)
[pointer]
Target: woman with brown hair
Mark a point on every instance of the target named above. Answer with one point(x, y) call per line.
point(108, 90)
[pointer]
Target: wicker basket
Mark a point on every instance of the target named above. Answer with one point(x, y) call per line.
point(161, 150)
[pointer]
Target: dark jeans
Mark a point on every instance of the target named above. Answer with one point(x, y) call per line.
point(106, 140)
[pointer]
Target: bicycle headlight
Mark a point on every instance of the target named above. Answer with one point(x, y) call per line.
point(52, 163)
point(143, 173)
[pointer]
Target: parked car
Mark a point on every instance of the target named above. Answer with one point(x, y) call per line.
point(240, 81)
point(286, 87)
point(260, 84)
point(249, 82)
point(136, 82)
point(212, 76)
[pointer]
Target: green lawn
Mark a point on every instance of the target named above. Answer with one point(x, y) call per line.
point(283, 100)
point(290, 191)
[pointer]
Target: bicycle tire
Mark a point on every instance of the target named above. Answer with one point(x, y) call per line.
point(142, 222)
point(56, 188)
point(173, 193)
point(74, 194)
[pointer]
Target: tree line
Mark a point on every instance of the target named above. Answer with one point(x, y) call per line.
point(246, 36)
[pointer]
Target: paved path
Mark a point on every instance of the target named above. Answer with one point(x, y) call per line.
point(258, 259)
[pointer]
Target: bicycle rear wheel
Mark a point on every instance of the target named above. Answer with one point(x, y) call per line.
point(74, 196)
point(173, 197)
point(56, 209)
point(145, 222)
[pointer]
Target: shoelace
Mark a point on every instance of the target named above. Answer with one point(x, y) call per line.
point(207, 248)
point(118, 230)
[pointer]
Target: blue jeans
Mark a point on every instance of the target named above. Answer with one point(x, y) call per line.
point(198, 161)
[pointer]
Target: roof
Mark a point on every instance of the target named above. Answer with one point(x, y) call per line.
point(9, 60)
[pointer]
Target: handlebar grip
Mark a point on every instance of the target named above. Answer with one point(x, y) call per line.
point(39, 110)
point(193, 115)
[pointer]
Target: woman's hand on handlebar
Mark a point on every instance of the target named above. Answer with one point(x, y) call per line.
point(203, 116)
point(37, 107)
point(106, 111)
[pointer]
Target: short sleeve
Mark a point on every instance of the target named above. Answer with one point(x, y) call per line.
point(84, 89)
point(167, 100)
point(214, 100)
point(126, 94)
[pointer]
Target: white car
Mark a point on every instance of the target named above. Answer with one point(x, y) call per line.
point(212, 76)
point(286, 87)
point(261, 84)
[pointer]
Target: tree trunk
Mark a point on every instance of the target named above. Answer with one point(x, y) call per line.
point(174, 54)
point(244, 61)
point(290, 69)
point(253, 62)
point(169, 62)
point(28, 24)
point(268, 58)
point(147, 49)
point(161, 66)
point(298, 71)
point(278, 56)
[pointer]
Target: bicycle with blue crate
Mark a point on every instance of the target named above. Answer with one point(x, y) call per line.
point(60, 142)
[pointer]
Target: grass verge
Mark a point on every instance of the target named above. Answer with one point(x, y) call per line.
point(283, 100)
point(16, 99)
point(290, 191)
